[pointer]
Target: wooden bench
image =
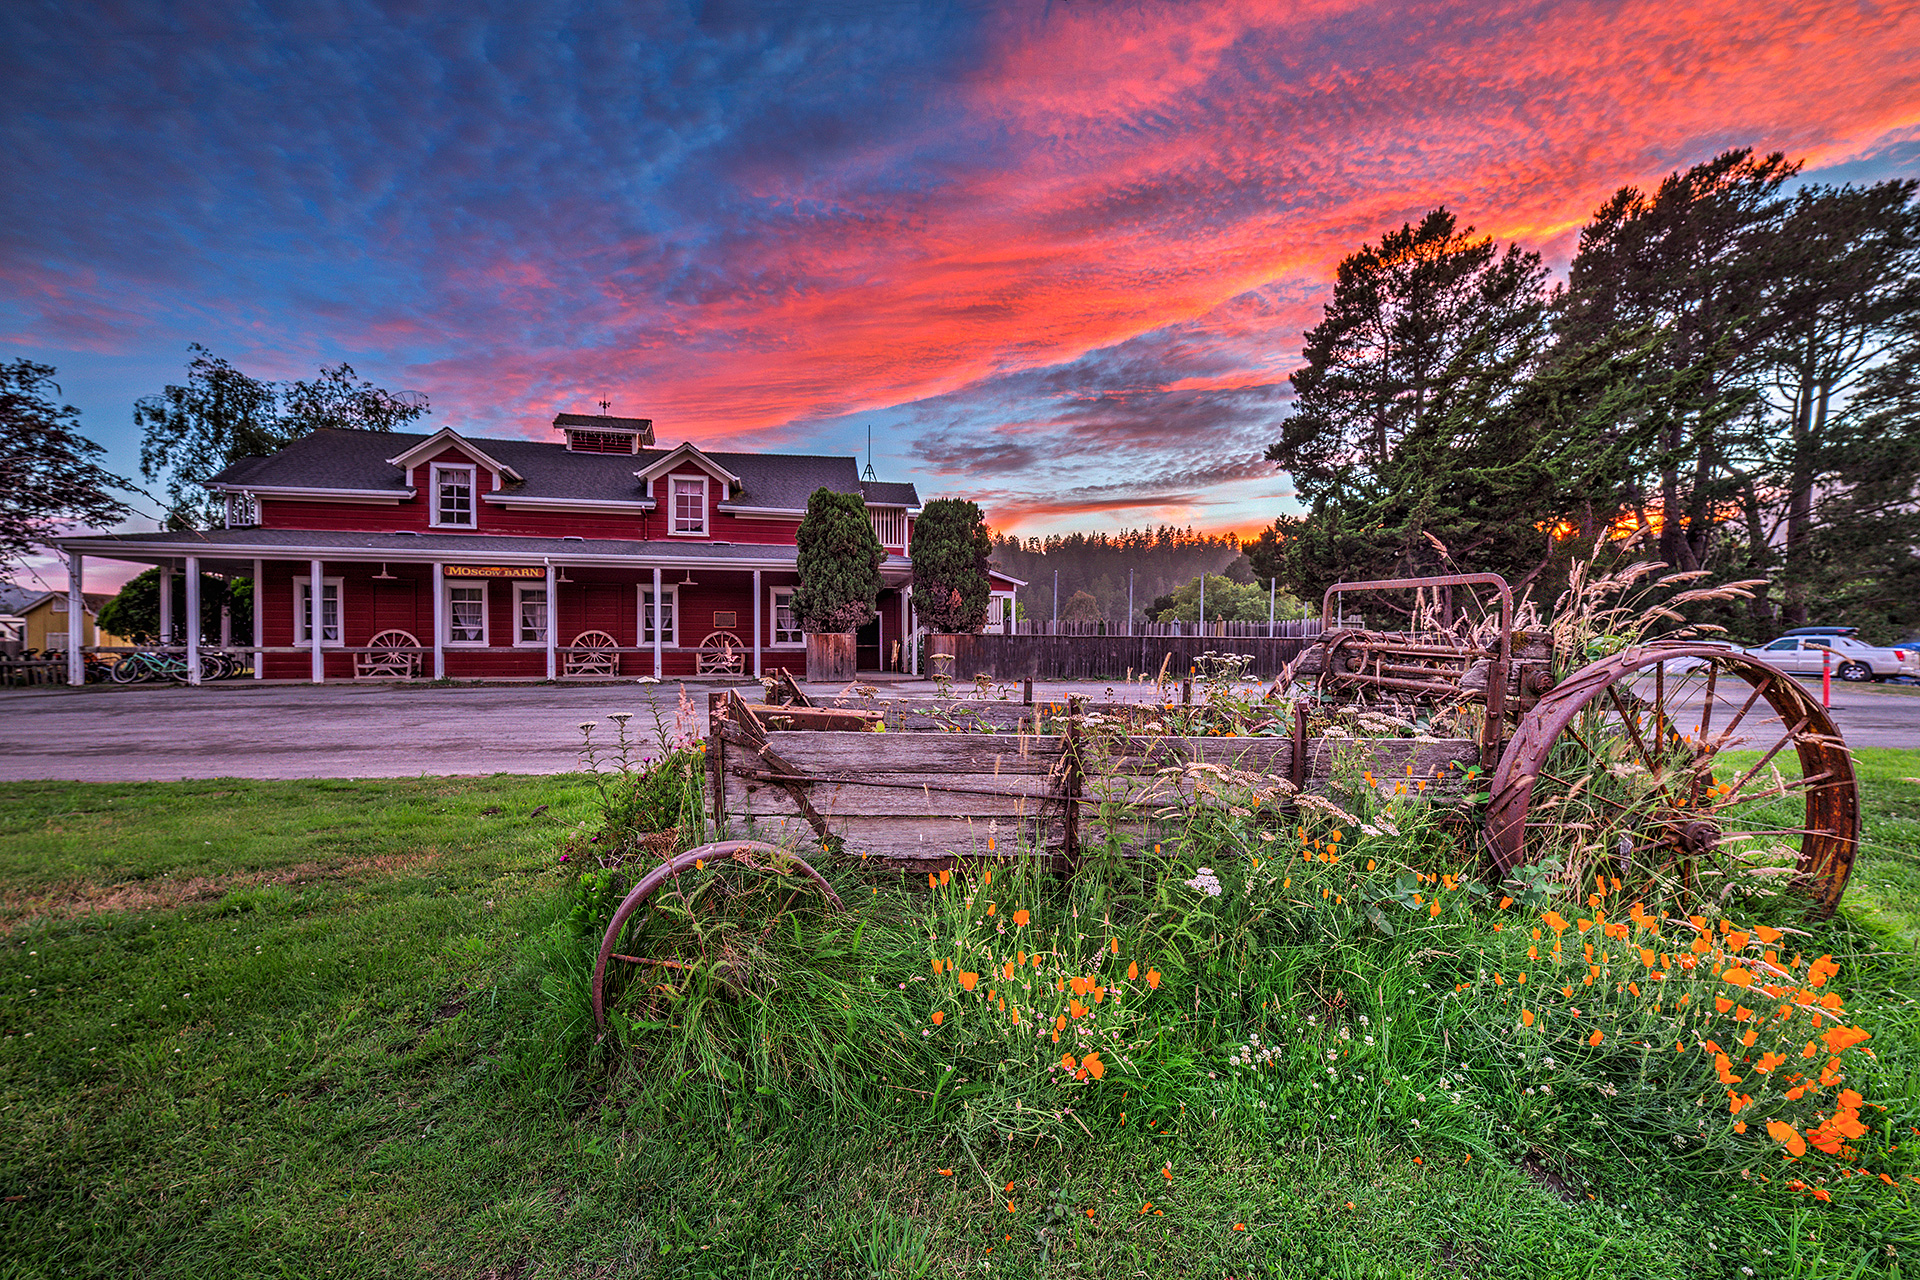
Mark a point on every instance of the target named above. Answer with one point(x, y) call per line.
point(594, 653)
point(391, 657)
point(721, 653)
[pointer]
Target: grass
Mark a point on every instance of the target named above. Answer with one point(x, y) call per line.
point(322, 1028)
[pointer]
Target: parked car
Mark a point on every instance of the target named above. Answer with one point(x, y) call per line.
point(1821, 631)
point(1680, 666)
point(1851, 659)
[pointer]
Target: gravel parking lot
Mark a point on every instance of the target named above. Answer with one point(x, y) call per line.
point(106, 733)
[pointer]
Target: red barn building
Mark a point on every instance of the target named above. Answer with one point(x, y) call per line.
point(396, 555)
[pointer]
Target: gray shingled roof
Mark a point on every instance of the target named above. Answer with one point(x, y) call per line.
point(247, 543)
point(890, 493)
point(337, 459)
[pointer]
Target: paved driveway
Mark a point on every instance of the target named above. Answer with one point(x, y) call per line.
point(106, 733)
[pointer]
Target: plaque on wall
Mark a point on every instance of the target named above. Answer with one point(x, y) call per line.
point(725, 618)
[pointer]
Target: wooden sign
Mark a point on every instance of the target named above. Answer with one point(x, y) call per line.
point(530, 573)
point(725, 618)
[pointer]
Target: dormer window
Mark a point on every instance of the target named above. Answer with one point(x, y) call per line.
point(243, 511)
point(689, 505)
point(453, 497)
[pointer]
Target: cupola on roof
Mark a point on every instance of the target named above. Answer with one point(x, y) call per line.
point(603, 433)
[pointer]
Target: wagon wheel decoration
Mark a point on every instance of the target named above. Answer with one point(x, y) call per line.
point(1687, 771)
point(706, 913)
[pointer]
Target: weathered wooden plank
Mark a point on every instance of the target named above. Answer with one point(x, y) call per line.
point(917, 838)
point(917, 753)
point(1384, 756)
point(832, 799)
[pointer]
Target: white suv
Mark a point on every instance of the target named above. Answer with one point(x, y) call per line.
point(1851, 659)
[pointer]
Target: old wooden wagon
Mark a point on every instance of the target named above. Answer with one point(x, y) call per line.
point(1686, 761)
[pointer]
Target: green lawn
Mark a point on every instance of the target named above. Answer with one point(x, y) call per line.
point(317, 1028)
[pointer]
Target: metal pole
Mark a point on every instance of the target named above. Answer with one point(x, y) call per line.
point(757, 593)
point(76, 622)
point(1826, 677)
point(1273, 585)
point(193, 619)
point(316, 615)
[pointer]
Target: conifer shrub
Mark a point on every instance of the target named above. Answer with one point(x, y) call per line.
point(839, 564)
point(951, 549)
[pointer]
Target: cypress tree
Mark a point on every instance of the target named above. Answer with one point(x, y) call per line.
point(839, 564)
point(951, 549)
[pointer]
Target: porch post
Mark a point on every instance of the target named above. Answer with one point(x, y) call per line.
point(193, 620)
point(553, 622)
point(913, 640)
point(259, 620)
point(756, 624)
point(439, 621)
point(905, 639)
point(316, 591)
point(76, 621)
point(166, 603)
point(658, 664)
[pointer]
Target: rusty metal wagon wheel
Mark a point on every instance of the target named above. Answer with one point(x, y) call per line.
point(1627, 769)
point(704, 912)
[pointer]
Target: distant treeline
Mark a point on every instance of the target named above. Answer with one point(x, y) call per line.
point(1098, 563)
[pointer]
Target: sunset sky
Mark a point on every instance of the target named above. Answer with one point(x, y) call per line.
point(1057, 254)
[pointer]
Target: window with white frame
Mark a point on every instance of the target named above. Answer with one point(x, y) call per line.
point(467, 613)
point(453, 497)
point(243, 511)
point(329, 611)
point(530, 613)
point(668, 614)
point(689, 505)
point(56, 640)
point(786, 626)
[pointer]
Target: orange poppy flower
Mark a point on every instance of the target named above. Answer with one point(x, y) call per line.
point(1093, 1066)
point(938, 1017)
point(1133, 971)
point(1840, 1039)
point(1595, 1038)
point(968, 980)
point(1153, 979)
point(1021, 916)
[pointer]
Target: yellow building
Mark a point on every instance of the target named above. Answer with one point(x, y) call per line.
point(45, 622)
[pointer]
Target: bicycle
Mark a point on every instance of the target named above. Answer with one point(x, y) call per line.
point(137, 668)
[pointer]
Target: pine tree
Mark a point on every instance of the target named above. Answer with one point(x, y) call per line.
point(839, 565)
point(951, 551)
